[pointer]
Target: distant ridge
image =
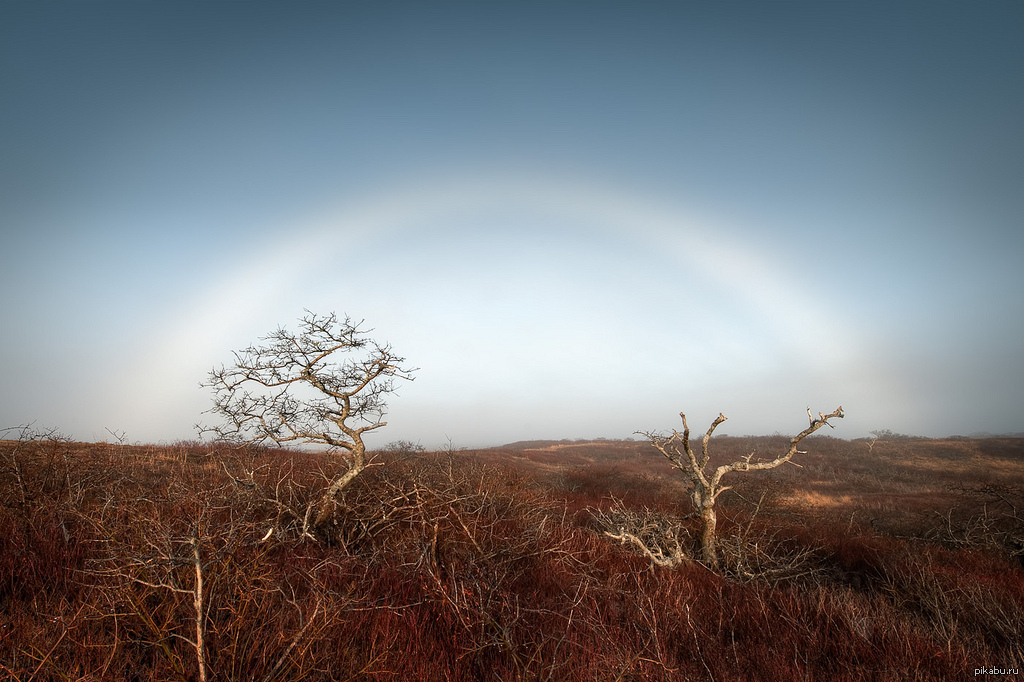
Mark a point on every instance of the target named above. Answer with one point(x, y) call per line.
point(534, 444)
point(986, 434)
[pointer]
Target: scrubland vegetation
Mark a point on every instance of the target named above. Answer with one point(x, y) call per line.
point(892, 559)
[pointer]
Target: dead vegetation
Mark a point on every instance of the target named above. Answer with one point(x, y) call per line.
point(188, 562)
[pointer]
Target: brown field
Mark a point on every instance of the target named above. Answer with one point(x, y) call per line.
point(897, 559)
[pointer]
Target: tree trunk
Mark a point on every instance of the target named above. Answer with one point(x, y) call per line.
point(326, 511)
point(708, 544)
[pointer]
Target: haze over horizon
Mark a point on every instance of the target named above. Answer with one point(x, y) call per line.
point(577, 219)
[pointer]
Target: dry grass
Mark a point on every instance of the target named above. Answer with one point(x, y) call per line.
point(862, 564)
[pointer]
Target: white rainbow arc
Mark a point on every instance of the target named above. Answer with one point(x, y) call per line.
point(276, 276)
point(746, 275)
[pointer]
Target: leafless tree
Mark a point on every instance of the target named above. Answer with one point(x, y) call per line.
point(293, 389)
point(704, 486)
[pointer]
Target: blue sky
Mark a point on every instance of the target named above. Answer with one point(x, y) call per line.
point(577, 219)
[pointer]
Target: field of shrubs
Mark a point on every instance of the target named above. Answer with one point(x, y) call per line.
point(894, 558)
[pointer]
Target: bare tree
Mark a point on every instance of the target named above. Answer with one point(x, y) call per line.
point(704, 487)
point(293, 389)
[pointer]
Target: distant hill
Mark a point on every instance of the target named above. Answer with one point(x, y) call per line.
point(537, 444)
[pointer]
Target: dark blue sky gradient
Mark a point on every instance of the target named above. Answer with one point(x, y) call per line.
point(869, 157)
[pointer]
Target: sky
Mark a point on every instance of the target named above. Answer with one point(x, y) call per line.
point(577, 219)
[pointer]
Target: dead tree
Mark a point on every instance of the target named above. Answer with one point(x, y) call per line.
point(704, 487)
point(294, 390)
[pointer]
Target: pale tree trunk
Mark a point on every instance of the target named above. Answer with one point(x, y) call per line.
point(703, 496)
point(708, 538)
point(326, 508)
